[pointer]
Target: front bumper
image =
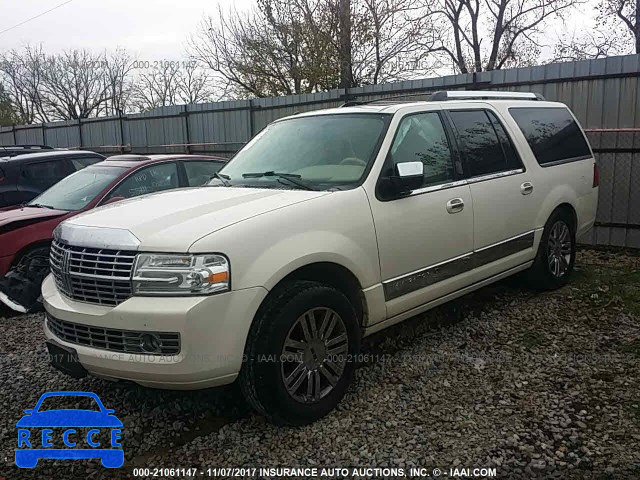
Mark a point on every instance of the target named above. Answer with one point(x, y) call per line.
point(213, 331)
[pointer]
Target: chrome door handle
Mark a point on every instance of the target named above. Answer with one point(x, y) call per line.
point(526, 188)
point(455, 205)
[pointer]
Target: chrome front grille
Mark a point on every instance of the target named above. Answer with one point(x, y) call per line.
point(92, 275)
point(115, 340)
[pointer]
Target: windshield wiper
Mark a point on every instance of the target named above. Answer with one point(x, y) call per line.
point(39, 205)
point(223, 178)
point(290, 177)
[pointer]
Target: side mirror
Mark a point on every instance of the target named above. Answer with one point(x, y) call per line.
point(29, 411)
point(408, 177)
point(113, 200)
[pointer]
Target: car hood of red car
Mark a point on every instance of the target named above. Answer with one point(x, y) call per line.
point(28, 215)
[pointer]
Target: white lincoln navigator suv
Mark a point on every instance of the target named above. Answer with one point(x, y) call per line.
point(327, 226)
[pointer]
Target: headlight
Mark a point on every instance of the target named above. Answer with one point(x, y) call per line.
point(167, 274)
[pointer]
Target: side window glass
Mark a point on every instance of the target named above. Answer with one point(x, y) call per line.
point(478, 142)
point(199, 173)
point(421, 138)
point(513, 161)
point(43, 175)
point(155, 178)
point(552, 134)
point(82, 162)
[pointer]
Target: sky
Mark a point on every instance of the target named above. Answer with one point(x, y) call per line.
point(150, 29)
point(155, 29)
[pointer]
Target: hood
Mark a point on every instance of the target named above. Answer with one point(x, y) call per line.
point(172, 221)
point(21, 216)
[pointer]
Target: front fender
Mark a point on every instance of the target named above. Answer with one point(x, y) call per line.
point(334, 228)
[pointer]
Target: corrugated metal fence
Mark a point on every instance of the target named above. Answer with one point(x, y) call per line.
point(603, 93)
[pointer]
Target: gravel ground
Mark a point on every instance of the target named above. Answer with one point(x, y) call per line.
point(535, 385)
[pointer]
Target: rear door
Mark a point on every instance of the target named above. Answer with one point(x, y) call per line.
point(504, 197)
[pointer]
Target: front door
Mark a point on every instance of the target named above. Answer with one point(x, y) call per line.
point(425, 238)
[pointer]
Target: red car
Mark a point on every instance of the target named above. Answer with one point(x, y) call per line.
point(26, 230)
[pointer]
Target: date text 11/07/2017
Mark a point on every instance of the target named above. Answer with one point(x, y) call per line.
point(316, 472)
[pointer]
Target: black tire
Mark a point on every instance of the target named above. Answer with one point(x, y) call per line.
point(543, 274)
point(262, 378)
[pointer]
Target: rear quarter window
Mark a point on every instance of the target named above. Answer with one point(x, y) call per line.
point(552, 133)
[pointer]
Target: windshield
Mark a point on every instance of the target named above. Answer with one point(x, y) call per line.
point(77, 190)
point(321, 151)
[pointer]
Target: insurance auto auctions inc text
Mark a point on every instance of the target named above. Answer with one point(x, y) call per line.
point(338, 472)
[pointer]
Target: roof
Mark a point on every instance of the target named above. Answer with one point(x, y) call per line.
point(392, 108)
point(48, 154)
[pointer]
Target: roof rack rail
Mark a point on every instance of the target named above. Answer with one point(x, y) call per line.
point(15, 150)
point(26, 147)
point(441, 96)
point(483, 95)
point(132, 157)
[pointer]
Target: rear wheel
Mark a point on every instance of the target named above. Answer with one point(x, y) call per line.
point(300, 353)
point(556, 256)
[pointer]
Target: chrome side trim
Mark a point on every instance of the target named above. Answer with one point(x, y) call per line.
point(493, 176)
point(424, 277)
point(435, 188)
point(428, 276)
point(503, 249)
point(95, 237)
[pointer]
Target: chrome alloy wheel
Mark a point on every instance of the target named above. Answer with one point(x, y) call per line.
point(314, 355)
point(559, 249)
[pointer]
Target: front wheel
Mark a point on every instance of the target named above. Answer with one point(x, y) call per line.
point(300, 354)
point(556, 253)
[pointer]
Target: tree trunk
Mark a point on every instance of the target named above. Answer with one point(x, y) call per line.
point(344, 17)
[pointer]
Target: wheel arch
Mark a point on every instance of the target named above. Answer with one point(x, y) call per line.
point(329, 273)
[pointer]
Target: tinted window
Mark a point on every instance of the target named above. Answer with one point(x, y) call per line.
point(552, 133)
point(42, 175)
point(199, 173)
point(421, 138)
point(148, 180)
point(482, 150)
point(82, 162)
point(513, 161)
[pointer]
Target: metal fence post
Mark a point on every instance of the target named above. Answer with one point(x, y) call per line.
point(80, 133)
point(187, 130)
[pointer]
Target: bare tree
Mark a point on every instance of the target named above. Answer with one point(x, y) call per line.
point(279, 48)
point(491, 34)
point(172, 83)
point(21, 73)
point(74, 84)
point(8, 114)
point(628, 12)
point(117, 72)
point(393, 40)
point(589, 45)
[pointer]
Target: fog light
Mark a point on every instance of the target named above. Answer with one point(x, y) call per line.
point(150, 343)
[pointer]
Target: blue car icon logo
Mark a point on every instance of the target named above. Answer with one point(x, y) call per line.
point(81, 431)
